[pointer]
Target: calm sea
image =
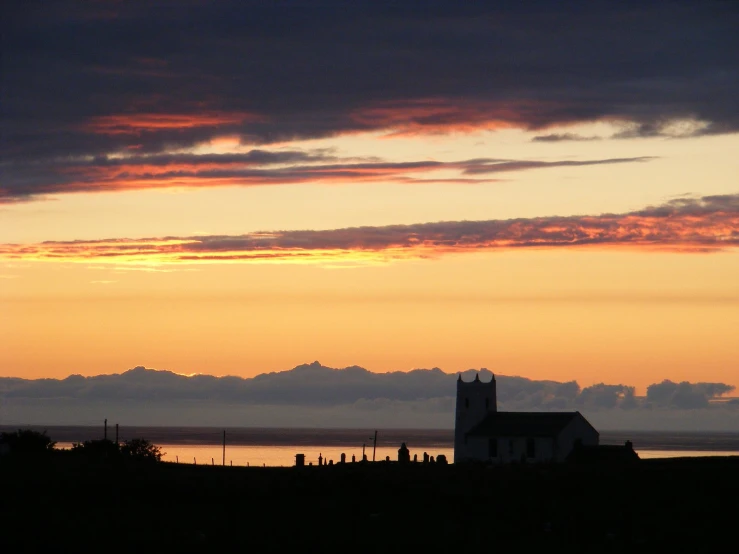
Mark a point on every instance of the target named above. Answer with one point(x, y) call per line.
point(277, 447)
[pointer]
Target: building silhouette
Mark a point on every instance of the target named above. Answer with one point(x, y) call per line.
point(482, 433)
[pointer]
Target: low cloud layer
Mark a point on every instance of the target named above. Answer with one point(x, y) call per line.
point(684, 395)
point(706, 224)
point(421, 398)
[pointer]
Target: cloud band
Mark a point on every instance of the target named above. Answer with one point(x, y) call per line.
point(706, 224)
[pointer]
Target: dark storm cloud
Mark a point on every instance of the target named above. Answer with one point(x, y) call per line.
point(84, 79)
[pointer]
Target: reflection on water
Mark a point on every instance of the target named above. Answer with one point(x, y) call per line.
point(285, 455)
point(277, 447)
point(282, 455)
point(275, 456)
point(647, 454)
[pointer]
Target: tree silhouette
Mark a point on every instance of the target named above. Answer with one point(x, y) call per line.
point(131, 450)
point(25, 441)
point(102, 449)
point(141, 449)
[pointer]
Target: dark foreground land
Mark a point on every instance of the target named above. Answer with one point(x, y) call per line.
point(67, 504)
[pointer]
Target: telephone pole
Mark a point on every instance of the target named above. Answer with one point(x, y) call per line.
point(374, 446)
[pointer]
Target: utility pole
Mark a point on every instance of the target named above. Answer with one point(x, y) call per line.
point(105, 430)
point(116, 434)
point(374, 447)
point(224, 447)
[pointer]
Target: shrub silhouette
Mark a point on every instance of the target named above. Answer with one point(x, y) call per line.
point(141, 449)
point(98, 450)
point(27, 442)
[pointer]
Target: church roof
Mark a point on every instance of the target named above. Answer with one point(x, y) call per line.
point(522, 424)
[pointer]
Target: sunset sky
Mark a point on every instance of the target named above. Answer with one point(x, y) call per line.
point(543, 189)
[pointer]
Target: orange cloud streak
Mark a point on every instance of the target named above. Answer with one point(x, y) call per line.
point(707, 224)
point(132, 124)
point(255, 168)
point(440, 115)
point(238, 173)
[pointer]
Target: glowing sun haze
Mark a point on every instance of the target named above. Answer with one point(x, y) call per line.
point(241, 187)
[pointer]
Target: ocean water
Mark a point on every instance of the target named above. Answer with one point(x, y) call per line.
point(277, 447)
point(273, 447)
point(284, 455)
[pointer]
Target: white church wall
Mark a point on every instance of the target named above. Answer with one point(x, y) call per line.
point(509, 449)
point(544, 449)
point(578, 428)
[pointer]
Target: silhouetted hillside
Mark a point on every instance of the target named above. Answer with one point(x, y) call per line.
point(651, 506)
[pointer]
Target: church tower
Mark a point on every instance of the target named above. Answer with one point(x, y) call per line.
point(474, 401)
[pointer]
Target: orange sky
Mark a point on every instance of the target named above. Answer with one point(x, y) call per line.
point(545, 315)
point(239, 190)
point(652, 298)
